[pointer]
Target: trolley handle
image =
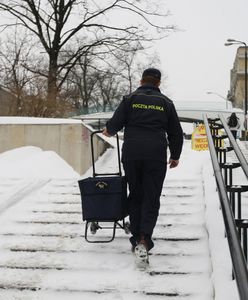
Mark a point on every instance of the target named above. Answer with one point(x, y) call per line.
point(93, 160)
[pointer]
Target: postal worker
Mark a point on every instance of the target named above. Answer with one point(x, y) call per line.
point(150, 124)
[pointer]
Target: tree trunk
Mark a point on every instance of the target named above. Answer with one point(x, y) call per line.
point(85, 106)
point(52, 89)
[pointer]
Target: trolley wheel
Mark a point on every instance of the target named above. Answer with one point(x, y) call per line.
point(127, 227)
point(94, 227)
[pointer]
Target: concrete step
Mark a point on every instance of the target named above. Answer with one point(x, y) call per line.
point(43, 253)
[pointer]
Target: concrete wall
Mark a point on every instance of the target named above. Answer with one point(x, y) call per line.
point(70, 141)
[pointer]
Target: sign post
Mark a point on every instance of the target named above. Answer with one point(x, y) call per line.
point(199, 141)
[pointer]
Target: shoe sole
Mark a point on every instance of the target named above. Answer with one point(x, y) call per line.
point(141, 254)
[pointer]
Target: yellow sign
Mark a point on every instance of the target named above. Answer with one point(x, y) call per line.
point(199, 141)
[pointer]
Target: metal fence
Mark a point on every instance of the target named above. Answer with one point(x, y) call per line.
point(230, 197)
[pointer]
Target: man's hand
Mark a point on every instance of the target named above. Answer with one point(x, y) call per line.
point(173, 163)
point(105, 132)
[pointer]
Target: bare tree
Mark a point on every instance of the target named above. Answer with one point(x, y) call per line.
point(99, 80)
point(56, 23)
point(14, 52)
point(84, 76)
point(127, 59)
point(110, 87)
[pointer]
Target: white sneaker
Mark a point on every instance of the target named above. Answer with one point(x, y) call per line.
point(141, 254)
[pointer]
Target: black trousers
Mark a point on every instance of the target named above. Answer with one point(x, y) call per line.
point(145, 179)
point(234, 132)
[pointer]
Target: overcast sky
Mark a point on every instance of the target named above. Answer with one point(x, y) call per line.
point(195, 59)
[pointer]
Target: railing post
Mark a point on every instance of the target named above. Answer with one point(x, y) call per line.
point(242, 225)
point(236, 201)
point(228, 171)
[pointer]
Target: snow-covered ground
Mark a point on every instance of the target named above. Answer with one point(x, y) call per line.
point(43, 254)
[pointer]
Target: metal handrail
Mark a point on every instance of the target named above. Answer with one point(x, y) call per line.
point(236, 148)
point(238, 259)
point(92, 118)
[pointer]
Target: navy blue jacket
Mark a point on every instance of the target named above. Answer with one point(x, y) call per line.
point(151, 122)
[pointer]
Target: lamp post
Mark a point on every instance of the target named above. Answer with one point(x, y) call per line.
point(213, 93)
point(235, 42)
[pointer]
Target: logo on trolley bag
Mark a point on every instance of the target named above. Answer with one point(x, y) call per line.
point(101, 185)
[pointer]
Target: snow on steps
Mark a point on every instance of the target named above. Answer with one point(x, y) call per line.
point(43, 254)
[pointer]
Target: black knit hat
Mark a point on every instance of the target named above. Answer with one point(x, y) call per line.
point(152, 72)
